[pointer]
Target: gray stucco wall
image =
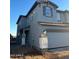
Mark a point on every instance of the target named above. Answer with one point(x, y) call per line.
point(34, 34)
point(41, 17)
point(63, 16)
point(36, 29)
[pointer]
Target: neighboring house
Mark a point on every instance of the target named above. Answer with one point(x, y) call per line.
point(12, 40)
point(45, 26)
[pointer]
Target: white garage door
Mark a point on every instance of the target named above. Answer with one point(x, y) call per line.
point(58, 39)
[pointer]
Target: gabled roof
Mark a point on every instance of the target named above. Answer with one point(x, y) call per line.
point(34, 6)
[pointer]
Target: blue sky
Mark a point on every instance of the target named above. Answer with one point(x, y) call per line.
point(21, 7)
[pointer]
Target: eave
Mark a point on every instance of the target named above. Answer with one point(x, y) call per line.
point(54, 24)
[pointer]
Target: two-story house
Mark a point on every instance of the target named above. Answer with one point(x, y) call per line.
point(44, 27)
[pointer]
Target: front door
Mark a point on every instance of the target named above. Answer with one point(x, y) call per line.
point(26, 40)
point(23, 38)
point(23, 41)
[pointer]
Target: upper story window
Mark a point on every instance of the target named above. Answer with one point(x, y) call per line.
point(47, 11)
point(58, 17)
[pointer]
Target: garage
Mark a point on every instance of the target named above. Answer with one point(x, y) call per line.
point(58, 38)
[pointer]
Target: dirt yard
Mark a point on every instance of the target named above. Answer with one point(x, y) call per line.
point(28, 53)
point(47, 55)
